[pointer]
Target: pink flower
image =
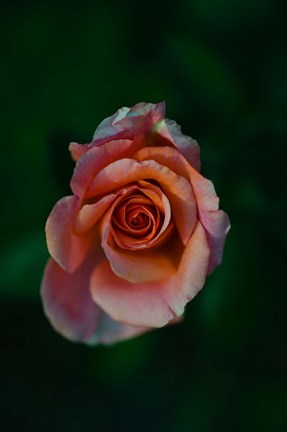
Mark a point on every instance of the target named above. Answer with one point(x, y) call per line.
point(134, 243)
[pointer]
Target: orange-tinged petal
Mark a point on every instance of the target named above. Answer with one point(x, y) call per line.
point(90, 214)
point(140, 265)
point(98, 158)
point(155, 194)
point(154, 303)
point(177, 189)
point(67, 248)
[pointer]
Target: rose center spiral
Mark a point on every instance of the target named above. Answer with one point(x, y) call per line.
point(136, 221)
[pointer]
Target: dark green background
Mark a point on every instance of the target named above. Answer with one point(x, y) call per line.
point(221, 67)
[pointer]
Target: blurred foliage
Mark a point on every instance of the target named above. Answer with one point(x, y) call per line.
point(221, 67)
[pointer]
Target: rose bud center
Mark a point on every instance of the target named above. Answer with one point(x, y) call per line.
point(137, 223)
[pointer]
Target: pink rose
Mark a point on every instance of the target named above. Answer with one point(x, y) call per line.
point(134, 243)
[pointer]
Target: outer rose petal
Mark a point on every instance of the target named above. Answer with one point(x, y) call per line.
point(171, 131)
point(153, 304)
point(215, 222)
point(128, 123)
point(217, 226)
point(64, 245)
point(69, 307)
point(78, 150)
point(67, 301)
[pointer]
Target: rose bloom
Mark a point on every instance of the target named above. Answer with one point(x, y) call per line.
point(136, 240)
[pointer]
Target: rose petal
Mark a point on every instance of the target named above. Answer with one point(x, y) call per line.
point(156, 303)
point(155, 193)
point(90, 214)
point(215, 222)
point(69, 307)
point(68, 303)
point(99, 157)
point(67, 248)
point(128, 123)
point(176, 187)
point(78, 150)
point(217, 226)
point(171, 131)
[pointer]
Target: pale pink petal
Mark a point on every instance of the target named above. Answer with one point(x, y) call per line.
point(70, 309)
point(177, 189)
point(153, 304)
point(67, 248)
point(171, 131)
point(142, 305)
point(217, 225)
point(98, 158)
point(127, 123)
point(215, 222)
point(67, 301)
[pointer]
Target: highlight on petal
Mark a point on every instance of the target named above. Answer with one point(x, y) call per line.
point(127, 123)
point(154, 303)
point(177, 189)
point(67, 248)
point(71, 311)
